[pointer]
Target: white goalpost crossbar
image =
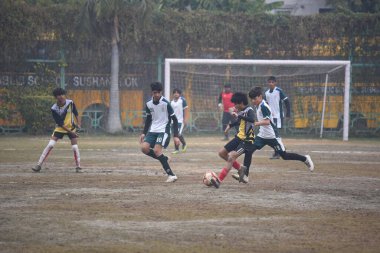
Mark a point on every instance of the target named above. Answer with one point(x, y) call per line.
point(347, 79)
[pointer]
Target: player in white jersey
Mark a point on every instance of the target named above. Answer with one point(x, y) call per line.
point(275, 98)
point(268, 133)
point(159, 116)
point(179, 105)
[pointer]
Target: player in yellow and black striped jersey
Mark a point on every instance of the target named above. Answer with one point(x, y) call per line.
point(243, 141)
point(66, 118)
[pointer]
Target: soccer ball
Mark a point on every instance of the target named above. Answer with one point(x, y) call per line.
point(208, 176)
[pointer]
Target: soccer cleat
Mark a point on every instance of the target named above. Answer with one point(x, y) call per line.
point(245, 179)
point(175, 152)
point(171, 179)
point(275, 156)
point(235, 176)
point(241, 173)
point(78, 169)
point(215, 182)
point(184, 148)
point(309, 163)
point(37, 168)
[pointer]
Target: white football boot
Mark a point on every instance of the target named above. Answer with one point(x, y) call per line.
point(309, 163)
point(171, 179)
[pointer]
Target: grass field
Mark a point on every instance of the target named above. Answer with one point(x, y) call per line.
point(121, 202)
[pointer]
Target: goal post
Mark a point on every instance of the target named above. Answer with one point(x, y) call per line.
point(308, 82)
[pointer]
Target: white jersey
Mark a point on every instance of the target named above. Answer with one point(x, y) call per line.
point(274, 99)
point(161, 113)
point(179, 106)
point(263, 111)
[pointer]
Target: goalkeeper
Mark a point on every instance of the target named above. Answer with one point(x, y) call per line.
point(66, 118)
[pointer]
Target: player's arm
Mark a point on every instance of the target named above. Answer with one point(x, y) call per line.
point(266, 117)
point(287, 105)
point(59, 121)
point(175, 124)
point(75, 111)
point(184, 106)
point(263, 122)
point(220, 102)
point(148, 122)
point(249, 118)
point(231, 125)
point(285, 99)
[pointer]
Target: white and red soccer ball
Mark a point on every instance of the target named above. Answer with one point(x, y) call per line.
point(208, 176)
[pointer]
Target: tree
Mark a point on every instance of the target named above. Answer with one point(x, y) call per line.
point(247, 6)
point(102, 18)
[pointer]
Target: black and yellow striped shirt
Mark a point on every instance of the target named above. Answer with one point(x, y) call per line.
point(246, 118)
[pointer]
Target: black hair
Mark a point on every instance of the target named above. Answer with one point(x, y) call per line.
point(176, 90)
point(239, 97)
point(227, 85)
point(156, 86)
point(255, 92)
point(58, 92)
point(272, 78)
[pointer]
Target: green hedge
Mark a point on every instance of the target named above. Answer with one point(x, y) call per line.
point(37, 114)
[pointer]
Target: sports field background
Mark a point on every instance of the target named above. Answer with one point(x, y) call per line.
point(121, 202)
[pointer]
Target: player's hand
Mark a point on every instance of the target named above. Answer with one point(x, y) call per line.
point(73, 134)
point(220, 106)
point(176, 141)
point(234, 114)
point(227, 129)
point(142, 136)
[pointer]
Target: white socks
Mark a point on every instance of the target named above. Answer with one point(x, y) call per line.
point(76, 154)
point(46, 152)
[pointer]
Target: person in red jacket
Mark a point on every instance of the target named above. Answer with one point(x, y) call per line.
point(227, 106)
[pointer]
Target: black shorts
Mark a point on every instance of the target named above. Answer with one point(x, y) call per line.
point(275, 143)
point(60, 135)
point(245, 147)
point(232, 144)
point(237, 144)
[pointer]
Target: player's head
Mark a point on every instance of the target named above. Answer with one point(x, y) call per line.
point(177, 93)
point(227, 88)
point(271, 82)
point(240, 100)
point(156, 90)
point(59, 94)
point(256, 95)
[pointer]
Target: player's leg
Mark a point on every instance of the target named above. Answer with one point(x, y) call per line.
point(75, 148)
point(181, 138)
point(249, 150)
point(277, 123)
point(225, 121)
point(232, 156)
point(162, 141)
point(45, 153)
point(279, 146)
point(230, 146)
point(176, 147)
point(148, 144)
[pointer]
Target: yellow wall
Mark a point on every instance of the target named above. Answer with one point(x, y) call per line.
point(130, 100)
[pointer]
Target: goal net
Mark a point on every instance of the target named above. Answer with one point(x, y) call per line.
point(318, 90)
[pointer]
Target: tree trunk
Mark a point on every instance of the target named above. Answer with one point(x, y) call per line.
point(114, 121)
